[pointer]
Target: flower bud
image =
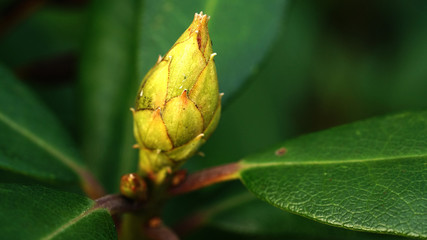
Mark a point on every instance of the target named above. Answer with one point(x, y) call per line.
point(178, 104)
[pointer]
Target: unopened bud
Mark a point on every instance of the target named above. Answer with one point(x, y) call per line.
point(178, 104)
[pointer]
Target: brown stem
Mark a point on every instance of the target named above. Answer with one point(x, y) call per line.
point(207, 177)
point(116, 203)
point(90, 184)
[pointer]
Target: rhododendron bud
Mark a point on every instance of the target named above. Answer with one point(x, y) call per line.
point(178, 104)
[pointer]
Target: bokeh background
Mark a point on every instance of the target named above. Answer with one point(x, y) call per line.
point(322, 64)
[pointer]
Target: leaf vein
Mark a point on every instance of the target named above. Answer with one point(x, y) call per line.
point(41, 143)
point(249, 165)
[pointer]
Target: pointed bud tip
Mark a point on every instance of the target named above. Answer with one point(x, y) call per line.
point(199, 30)
point(201, 17)
point(200, 23)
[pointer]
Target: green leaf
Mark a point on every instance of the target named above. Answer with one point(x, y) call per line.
point(368, 176)
point(108, 83)
point(125, 40)
point(35, 212)
point(246, 215)
point(32, 142)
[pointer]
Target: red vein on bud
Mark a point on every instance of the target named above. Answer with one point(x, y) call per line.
point(184, 96)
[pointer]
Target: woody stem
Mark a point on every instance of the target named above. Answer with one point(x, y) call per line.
point(207, 177)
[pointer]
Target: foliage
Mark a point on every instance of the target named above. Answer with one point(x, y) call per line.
point(69, 74)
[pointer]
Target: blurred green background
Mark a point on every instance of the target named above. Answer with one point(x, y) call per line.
point(326, 63)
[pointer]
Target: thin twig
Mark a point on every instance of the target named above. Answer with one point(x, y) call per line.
point(116, 203)
point(207, 177)
point(90, 184)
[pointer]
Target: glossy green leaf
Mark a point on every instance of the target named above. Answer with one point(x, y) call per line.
point(368, 176)
point(32, 142)
point(248, 216)
point(126, 38)
point(35, 212)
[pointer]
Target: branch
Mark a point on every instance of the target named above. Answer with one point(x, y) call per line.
point(207, 177)
point(116, 203)
point(90, 184)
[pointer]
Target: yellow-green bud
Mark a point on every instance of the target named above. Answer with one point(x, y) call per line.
point(133, 186)
point(178, 104)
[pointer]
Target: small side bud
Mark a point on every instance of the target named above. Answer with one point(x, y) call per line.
point(179, 177)
point(133, 186)
point(155, 222)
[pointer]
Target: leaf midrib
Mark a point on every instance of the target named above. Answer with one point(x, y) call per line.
point(66, 160)
point(71, 222)
point(248, 165)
